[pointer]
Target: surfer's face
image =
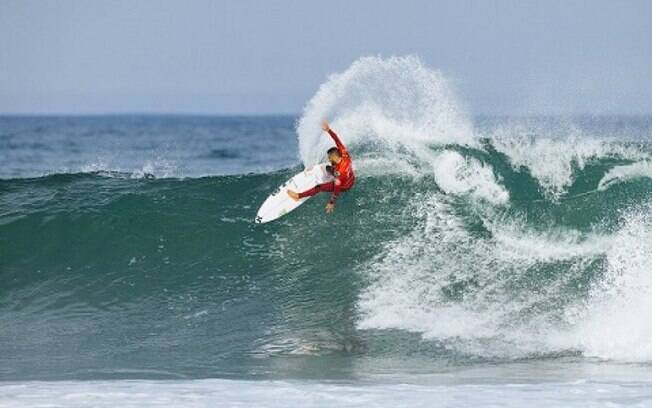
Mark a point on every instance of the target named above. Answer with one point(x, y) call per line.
point(334, 158)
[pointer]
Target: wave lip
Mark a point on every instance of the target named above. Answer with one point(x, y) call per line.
point(618, 174)
point(554, 153)
point(458, 175)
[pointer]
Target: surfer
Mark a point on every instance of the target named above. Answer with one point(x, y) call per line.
point(341, 168)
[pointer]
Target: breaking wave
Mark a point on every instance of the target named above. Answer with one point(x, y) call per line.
point(456, 244)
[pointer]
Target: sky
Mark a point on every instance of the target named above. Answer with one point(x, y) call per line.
point(265, 57)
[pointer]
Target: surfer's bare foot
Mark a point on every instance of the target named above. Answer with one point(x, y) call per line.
point(293, 195)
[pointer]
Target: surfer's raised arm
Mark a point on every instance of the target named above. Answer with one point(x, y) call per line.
point(335, 138)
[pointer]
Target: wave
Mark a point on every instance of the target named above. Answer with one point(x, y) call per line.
point(455, 244)
point(510, 233)
point(458, 256)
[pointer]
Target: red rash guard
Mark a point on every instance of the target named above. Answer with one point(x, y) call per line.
point(343, 172)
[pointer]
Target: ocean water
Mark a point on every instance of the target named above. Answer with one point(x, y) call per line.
point(478, 261)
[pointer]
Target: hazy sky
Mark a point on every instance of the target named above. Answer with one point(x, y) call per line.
point(271, 56)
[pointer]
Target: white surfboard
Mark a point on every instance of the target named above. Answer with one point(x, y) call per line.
point(279, 202)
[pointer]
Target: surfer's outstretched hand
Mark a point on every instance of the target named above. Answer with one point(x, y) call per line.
point(294, 195)
point(324, 126)
point(330, 207)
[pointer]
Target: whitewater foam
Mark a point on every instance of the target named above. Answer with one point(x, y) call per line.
point(615, 323)
point(477, 294)
point(516, 243)
point(409, 279)
point(309, 394)
point(490, 294)
point(458, 175)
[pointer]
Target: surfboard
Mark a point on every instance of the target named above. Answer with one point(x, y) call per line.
point(279, 203)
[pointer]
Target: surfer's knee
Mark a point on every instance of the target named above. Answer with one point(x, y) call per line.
point(338, 182)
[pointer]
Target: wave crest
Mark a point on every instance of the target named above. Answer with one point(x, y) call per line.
point(384, 108)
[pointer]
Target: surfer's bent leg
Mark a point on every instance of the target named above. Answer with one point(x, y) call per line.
point(318, 189)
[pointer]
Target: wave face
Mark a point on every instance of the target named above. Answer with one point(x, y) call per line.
point(464, 241)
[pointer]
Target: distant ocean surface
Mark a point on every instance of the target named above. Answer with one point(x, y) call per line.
point(478, 261)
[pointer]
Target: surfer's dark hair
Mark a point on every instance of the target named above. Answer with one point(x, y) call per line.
point(334, 150)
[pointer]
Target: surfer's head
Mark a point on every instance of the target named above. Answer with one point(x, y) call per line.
point(334, 155)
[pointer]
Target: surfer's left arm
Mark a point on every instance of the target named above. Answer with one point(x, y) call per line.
point(337, 186)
